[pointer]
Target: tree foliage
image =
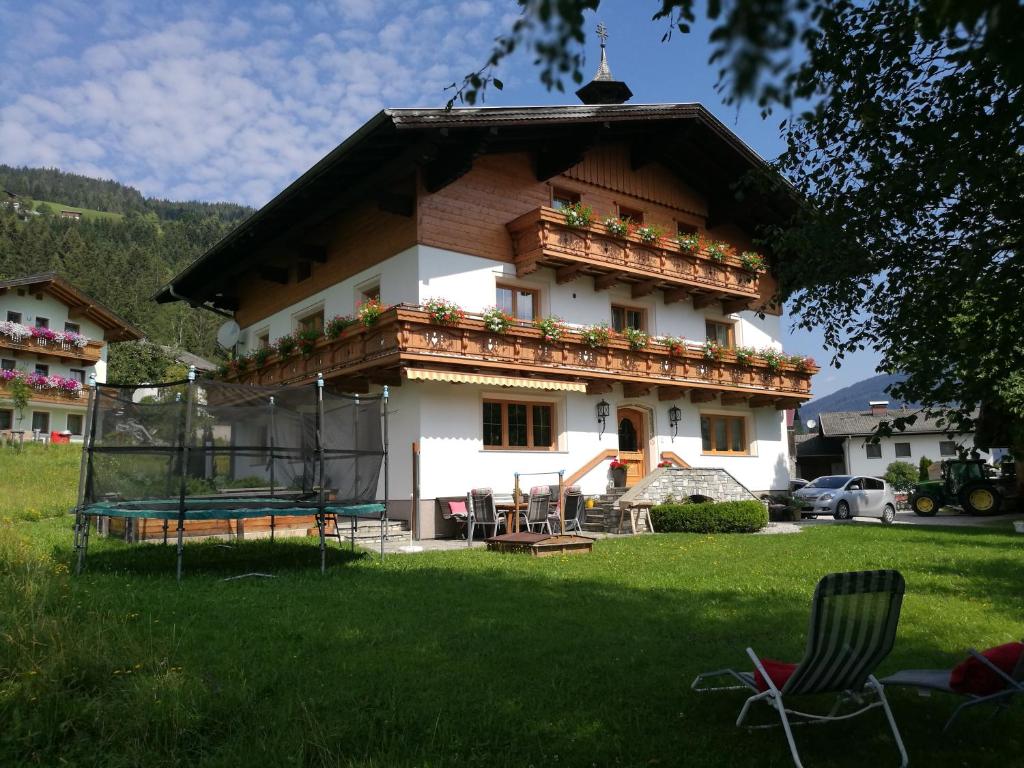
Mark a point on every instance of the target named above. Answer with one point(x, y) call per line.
point(903, 128)
point(902, 476)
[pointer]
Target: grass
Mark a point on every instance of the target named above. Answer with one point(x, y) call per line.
point(469, 658)
point(87, 213)
point(38, 481)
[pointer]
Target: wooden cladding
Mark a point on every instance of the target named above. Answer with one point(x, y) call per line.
point(89, 354)
point(406, 336)
point(542, 238)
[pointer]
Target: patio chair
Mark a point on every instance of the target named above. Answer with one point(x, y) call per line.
point(538, 508)
point(851, 630)
point(483, 513)
point(986, 683)
point(455, 509)
point(575, 509)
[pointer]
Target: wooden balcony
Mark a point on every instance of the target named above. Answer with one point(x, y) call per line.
point(87, 355)
point(541, 238)
point(49, 396)
point(405, 337)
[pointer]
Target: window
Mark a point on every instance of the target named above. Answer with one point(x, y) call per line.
point(902, 450)
point(6, 419)
point(303, 271)
point(72, 327)
point(369, 293)
point(724, 434)
point(682, 228)
point(521, 303)
point(13, 317)
point(40, 421)
point(75, 422)
point(314, 321)
point(8, 365)
point(873, 450)
point(42, 370)
point(873, 484)
point(560, 198)
point(77, 373)
point(42, 322)
point(947, 448)
point(519, 425)
point(633, 214)
point(263, 340)
point(628, 317)
point(721, 332)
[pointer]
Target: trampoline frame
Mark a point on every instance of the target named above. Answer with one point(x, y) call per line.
point(259, 506)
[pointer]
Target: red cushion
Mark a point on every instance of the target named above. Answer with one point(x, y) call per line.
point(778, 671)
point(457, 508)
point(971, 676)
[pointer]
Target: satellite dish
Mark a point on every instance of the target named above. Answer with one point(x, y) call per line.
point(227, 334)
point(811, 423)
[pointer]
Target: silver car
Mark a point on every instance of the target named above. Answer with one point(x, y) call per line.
point(846, 496)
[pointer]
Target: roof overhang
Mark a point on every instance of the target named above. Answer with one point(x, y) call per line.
point(440, 145)
point(512, 382)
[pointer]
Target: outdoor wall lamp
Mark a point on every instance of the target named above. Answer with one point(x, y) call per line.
point(603, 410)
point(674, 416)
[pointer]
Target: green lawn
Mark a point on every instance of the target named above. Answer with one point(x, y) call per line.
point(469, 658)
point(38, 481)
point(87, 213)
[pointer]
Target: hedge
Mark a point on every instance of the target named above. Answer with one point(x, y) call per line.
point(711, 517)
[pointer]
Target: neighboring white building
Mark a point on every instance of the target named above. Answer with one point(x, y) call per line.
point(470, 206)
point(840, 442)
point(52, 336)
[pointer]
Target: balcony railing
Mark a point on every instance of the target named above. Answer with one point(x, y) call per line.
point(542, 238)
point(407, 337)
point(47, 395)
point(89, 354)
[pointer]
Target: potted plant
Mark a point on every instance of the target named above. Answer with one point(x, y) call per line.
point(665, 463)
point(617, 226)
point(772, 358)
point(718, 251)
point(676, 346)
point(307, 339)
point(637, 339)
point(551, 328)
point(713, 351)
point(285, 345)
point(648, 234)
point(337, 325)
point(689, 241)
point(751, 261)
point(578, 215)
point(802, 363)
point(369, 312)
point(496, 320)
point(444, 312)
point(261, 355)
point(745, 355)
point(595, 336)
point(618, 470)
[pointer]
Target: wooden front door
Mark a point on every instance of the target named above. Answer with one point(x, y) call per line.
point(632, 444)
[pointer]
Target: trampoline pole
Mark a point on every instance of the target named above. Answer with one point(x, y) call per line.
point(186, 440)
point(81, 519)
point(272, 463)
point(321, 510)
point(354, 526)
point(384, 512)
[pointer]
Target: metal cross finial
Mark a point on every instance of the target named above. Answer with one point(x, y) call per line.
point(602, 32)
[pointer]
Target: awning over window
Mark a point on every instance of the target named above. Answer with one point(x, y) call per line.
point(419, 374)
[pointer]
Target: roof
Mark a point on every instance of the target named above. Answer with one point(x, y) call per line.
point(440, 145)
point(814, 444)
point(850, 423)
point(115, 327)
point(187, 358)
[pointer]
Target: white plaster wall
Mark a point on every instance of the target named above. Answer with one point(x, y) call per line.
point(920, 445)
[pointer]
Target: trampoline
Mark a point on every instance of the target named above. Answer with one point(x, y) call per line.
point(208, 450)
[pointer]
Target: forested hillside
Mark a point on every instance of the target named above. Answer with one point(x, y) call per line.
point(120, 261)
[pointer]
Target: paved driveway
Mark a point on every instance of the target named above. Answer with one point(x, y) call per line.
point(943, 518)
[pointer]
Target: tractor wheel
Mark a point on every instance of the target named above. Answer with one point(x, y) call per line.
point(842, 511)
point(889, 515)
point(925, 504)
point(980, 499)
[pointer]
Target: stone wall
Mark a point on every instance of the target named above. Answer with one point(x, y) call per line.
point(681, 483)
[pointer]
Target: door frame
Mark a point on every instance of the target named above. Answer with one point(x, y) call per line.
point(644, 436)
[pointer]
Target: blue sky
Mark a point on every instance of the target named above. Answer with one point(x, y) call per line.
point(220, 100)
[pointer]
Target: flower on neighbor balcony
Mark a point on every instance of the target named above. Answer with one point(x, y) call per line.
point(337, 325)
point(718, 251)
point(617, 226)
point(444, 312)
point(772, 358)
point(496, 320)
point(637, 339)
point(551, 328)
point(713, 351)
point(595, 336)
point(8, 375)
point(648, 234)
point(690, 242)
point(676, 346)
point(45, 334)
point(751, 261)
point(745, 355)
point(578, 215)
point(369, 312)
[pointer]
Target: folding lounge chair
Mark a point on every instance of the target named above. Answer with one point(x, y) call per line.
point(536, 517)
point(852, 629)
point(939, 680)
point(575, 509)
point(483, 513)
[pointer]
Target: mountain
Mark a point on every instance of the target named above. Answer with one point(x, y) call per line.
point(124, 248)
point(854, 397)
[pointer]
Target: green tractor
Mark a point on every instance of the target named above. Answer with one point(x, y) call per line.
point(965, 484)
